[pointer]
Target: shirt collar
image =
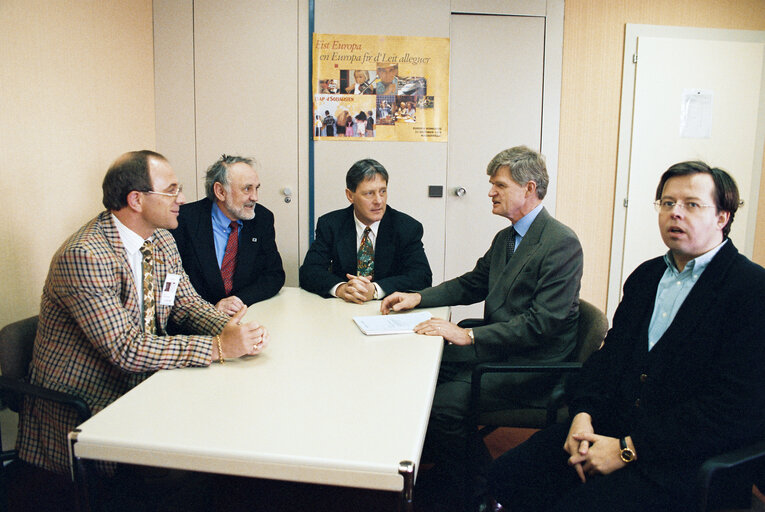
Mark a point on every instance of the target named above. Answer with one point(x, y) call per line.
point(360, 226)
point(219, 219)
point(130, 239)
point(697, 265)
point(522, 226)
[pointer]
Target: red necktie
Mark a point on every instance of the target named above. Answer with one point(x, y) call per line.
point(229, 258)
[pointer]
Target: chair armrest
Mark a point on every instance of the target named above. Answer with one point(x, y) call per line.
point(471, 322)
point(483, 368)
point(748, 461)
point(24, 388)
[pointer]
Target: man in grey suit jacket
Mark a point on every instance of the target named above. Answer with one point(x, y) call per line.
point(530, 279)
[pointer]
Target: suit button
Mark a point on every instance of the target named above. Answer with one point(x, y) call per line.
point(637, 403)
point(643, 377)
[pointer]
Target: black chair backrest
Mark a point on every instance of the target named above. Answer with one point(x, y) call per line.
point(16, 342)
point(593, 326)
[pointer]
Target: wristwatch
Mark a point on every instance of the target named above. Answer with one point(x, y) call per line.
point(472, 336)
point(627, 454)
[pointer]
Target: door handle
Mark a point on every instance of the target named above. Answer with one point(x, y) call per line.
point(460, 191)
point(287, 194)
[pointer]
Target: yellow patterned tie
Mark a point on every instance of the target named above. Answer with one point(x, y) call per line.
point(147, 267)
point(365, 259)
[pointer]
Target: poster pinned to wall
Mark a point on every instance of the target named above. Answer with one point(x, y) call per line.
point(380, 88)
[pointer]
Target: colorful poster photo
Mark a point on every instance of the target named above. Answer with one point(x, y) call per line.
point(380, 88)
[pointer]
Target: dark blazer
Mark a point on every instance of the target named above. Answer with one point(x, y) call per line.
point(699, 391)
point(400, 261)
point(531, 312)
point(259, 274)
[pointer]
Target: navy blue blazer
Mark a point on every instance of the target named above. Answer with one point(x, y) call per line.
point(400, 261)
point(699, 391)
point(259, 274)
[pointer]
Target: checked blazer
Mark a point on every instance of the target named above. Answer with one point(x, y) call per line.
point(90, 340)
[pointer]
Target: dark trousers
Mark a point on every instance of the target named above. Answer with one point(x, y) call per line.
point(460, 458)
point(535, 476)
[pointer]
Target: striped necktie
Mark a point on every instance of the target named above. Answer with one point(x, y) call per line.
point(149, 305)
point(229, 257)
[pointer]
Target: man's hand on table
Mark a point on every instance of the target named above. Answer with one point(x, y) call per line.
point(400, 301)
point(358, 289)
point(238, 339)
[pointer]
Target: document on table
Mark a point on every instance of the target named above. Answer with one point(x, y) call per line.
point(401, 323)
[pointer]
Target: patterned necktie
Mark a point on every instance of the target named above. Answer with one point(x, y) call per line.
point(510, 243)
point(229, 257)
point(365, 259)
point(147, 267)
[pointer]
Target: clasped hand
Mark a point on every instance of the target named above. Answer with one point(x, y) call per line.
point(357, 289)
point(591, 454)
point(238, 339)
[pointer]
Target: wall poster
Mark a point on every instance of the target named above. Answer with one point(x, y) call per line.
point(381, 88)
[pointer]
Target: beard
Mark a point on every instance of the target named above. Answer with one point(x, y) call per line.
point(244, 212)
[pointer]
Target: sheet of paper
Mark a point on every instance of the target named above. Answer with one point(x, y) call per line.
point(401, 323)
point(696, 114)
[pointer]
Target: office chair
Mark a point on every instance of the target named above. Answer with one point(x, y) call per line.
point(593, 325)
point(725, 481)
point(16, 342)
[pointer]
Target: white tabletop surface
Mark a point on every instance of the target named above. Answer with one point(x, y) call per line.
point(323, 403)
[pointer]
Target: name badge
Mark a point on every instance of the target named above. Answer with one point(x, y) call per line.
point(168, 289)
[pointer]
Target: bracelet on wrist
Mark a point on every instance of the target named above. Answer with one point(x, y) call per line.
point(220, 350)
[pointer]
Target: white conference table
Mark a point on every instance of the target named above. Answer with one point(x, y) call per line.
point(322, 404)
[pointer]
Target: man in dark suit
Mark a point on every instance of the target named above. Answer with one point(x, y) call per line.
point(530, 279)
point(367, 250)
point(230, 269)
point(680, 377)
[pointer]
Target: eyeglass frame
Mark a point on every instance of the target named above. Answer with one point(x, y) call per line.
point(690, 206)
point(166, 194)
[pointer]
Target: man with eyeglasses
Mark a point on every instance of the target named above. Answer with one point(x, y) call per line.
point(111, 288)
point(227, 240)
point(679, 378)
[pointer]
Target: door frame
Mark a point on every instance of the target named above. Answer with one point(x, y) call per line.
point(632, 33)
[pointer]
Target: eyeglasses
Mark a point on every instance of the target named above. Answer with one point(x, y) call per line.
point(691, 207)
point(167, 194)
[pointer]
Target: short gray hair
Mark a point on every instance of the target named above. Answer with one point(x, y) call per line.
point(525, 165)
point(218, 173)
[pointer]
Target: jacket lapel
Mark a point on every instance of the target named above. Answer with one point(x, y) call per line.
point(346, 243)
point(129, 288)
point(700, 301)
point(249, 246)
point(504, 274)
point(204, 247)
point(385, 245)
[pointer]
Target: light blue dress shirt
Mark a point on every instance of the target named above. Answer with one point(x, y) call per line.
point(673, 289)
point(523, 225)
point(221, 229)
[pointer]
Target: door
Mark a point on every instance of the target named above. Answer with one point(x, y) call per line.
point(495, 103)
point(239, 88)
point(672, 71)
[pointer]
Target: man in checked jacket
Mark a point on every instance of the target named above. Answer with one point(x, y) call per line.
point(97, 337)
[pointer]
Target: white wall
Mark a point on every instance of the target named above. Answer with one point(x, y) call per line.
point(77, 90)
